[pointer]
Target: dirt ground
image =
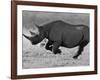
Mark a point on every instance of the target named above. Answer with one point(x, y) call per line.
point(38, 57)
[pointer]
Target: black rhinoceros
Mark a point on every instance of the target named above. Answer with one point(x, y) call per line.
point(60, 33)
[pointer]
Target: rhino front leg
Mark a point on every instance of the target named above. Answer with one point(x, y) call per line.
point(55, 48)
point(49, 45)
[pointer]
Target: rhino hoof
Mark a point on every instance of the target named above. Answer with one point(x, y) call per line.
point(58, 51)
point(75, 57)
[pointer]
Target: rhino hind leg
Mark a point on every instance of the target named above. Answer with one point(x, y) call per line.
point(81, 48)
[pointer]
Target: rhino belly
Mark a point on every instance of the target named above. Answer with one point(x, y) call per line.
point(72, 39)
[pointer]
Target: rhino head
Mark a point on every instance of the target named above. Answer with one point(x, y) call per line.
point(36, 37)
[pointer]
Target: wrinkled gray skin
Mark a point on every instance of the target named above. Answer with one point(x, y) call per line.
point(63, 34)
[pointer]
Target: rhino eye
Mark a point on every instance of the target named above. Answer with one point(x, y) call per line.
point(36, 36)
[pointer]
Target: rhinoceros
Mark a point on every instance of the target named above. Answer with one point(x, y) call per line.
point(60, 33)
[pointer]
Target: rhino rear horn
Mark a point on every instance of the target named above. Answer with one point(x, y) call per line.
point(32, 33)
point(37, 25)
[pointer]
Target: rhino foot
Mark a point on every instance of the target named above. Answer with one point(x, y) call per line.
point(58, 51)
point(49, 48)
point(75, 57)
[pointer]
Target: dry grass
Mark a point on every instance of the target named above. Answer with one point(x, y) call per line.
point(38, 57)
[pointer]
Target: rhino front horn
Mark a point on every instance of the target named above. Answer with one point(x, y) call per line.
point(29, 38)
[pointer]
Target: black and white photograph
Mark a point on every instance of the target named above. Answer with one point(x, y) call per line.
point(55, 39)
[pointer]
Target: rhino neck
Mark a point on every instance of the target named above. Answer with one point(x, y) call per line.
point(45, 29)
point(42, 33)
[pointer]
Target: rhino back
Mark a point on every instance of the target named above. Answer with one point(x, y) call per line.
point(68, 34)
point(55, 30)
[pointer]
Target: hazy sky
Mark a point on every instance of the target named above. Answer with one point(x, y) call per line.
point(41, 18)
